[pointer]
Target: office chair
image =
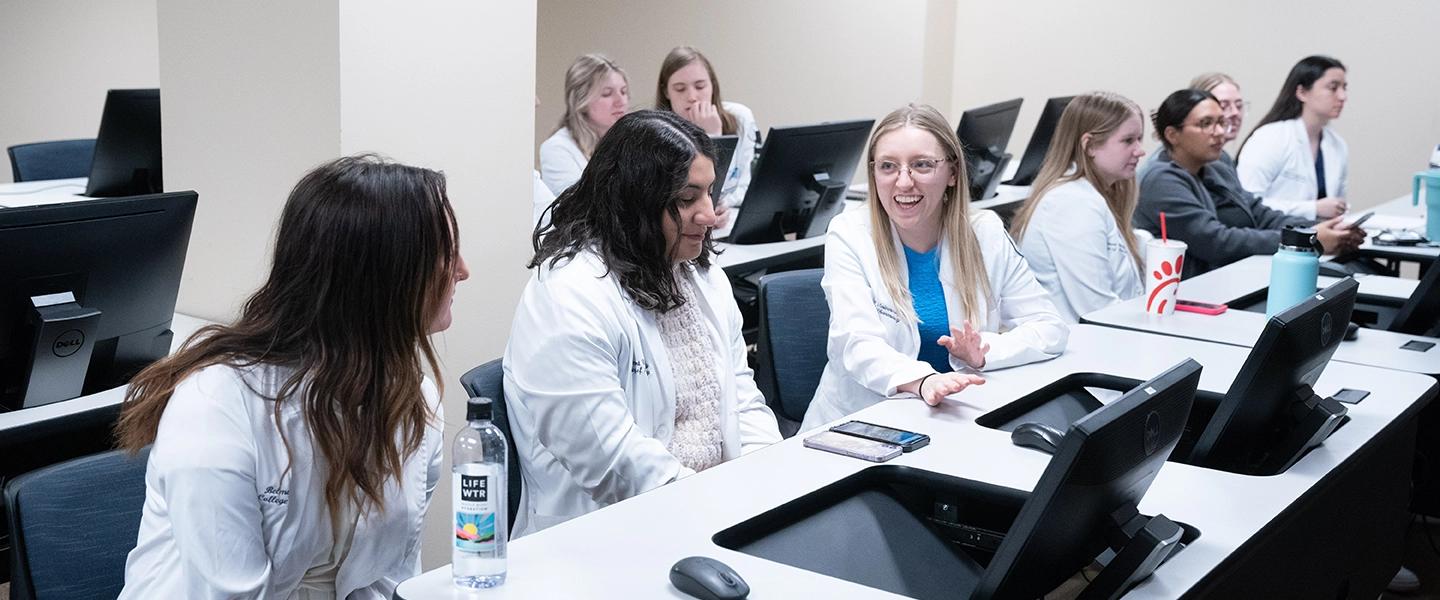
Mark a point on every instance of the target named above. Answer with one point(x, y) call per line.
point(488, 381)
point(51, 160)
point(72, 524)
point(794, 326)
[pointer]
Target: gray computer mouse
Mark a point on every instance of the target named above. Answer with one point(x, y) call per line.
point(708, 579)
point(1036, 435)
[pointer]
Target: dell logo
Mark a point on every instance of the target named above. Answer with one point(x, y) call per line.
point(68, 343)
point(1152, 432)
point(1327, 327)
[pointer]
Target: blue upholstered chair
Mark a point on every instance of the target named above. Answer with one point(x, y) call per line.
point(794, 325)
point(72, 525)
point(488, 381)
point(51, 160)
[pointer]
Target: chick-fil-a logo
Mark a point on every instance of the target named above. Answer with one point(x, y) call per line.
point(1167, 275)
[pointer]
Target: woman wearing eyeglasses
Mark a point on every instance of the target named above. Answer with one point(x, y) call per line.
point(1191, 126)
point(1293, 159)
point(1075, 228)
point(919, 288)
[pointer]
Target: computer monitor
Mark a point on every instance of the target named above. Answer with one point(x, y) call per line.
point(984, 134)
point(127, 149)
point(724, 155)
point(87, 293)
point(1040, 141)
point(799, 182)
point(1270, 416)
point(1420, 314)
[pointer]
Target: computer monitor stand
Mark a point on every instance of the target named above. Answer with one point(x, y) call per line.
point(994, 182)
point(60, 357)
point(830, 203)
point(1140, 543)
point(1318, 418)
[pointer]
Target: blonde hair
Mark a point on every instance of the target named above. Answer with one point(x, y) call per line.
point(581, 80)
point(1209, 81)
point(678, 59)
point(971, 281)
point(1099, 114)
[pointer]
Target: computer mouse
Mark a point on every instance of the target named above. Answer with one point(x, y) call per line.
point(1352, 332)
point(1037, 435)
point(707, 578)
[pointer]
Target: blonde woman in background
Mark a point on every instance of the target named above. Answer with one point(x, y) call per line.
point(688, 87)
point(1074, 230)
point(919, 287)
point(597, 94)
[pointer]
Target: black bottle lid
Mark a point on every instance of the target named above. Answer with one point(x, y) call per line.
point(478, 409)
point(1300, 239)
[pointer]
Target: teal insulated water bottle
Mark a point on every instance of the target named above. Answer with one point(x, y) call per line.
point(1430, 180)
point(1294, 271)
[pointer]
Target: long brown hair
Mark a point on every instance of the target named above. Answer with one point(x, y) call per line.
point(363, 259)
point(677, 59)
point(1099, 114)
point(581, 81)
point(971, 281)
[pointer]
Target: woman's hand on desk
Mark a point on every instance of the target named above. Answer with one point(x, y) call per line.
point(965, 345)
point(935, 387)
point(1337, 237)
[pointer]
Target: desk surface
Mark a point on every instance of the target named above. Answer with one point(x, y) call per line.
point(35, 193)
point(183, 326)
point(1398, 214)
point(626, 549)
point(1374, 347)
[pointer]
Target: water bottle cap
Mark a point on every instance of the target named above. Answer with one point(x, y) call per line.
point(1300, 239)
point(478, 409)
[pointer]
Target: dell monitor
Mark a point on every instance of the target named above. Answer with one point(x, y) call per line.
point(1039, 144)
point(984, 133)
point(799, 182)
point(1270, 416)
point(87, 293)
point(127, 149)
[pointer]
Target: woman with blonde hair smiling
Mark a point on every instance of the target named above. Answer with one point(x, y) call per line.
point(597, 94)
point(1075, 228)
point(920, 287)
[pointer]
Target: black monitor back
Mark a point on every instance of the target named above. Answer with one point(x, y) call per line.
point(799, 182)
point(123, 257)
point(1291, 353)
point(127, 149)
point(724, 155)
point(1421, 312)
point(984, 134)
point(1039, 144)
point(1107, 461)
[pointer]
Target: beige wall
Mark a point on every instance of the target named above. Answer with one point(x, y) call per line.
point(58, 58)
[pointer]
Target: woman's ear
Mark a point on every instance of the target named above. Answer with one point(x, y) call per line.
point(1085, 144)
point(1301, 93)
point(1172, 135)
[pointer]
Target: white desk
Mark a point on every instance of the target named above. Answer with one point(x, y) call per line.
point(183, 327)
point(626, 549)
point(36, 193)
point(1373, 347)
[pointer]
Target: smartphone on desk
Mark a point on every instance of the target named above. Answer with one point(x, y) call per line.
point(849, 445)
point(1204, 308)
point(906, 440)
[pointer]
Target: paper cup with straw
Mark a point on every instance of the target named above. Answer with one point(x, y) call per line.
point(1163, 260)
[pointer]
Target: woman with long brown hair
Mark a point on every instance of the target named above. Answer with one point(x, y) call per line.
point(920, 288)
point(1074, 229)
point(295, 452)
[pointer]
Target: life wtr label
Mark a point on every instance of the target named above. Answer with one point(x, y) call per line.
point(474, 512)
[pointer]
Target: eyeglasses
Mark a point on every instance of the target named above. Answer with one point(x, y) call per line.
point(1239, 105)
point(920, 167)
point(1209, 123)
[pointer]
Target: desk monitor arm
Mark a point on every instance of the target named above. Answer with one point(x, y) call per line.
point(1140, 543)
point(830, 203)
point(60, 357)
point(1315, 419)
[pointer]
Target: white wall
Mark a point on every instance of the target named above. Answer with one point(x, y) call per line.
point(57, 59)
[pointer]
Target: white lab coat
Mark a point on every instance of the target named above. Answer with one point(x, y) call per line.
point(872, 351)
point(1076, 251)
point(591, 394)
point(1276, 165)
point(228, 515)
point(561, 161)
point(542, 199)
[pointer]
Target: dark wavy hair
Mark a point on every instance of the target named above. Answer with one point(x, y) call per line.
point(363, 259)
point(633, 180)
point(1303, 75)
point(1174, 109)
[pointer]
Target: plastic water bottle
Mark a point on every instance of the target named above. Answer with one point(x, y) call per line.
point(1294, 270)
point(478, 494)
point(1435, 158)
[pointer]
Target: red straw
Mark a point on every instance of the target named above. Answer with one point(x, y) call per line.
point(1164, 239)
